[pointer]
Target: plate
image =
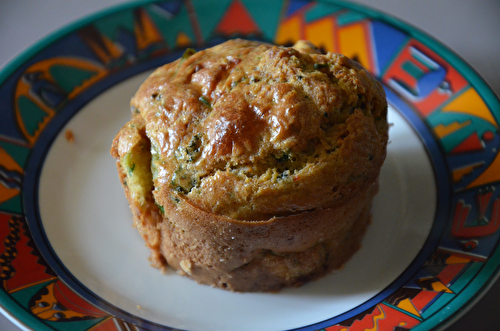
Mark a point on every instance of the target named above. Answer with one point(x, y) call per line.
point(71, 261)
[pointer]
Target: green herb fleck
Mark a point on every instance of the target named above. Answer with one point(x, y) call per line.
point(179, 189)
point(131, 169)
point(193, 148)
point(320, 65)
point(183, 180)
point(154, 160)
point(187, 53)
point(160, 207)
point(204, 101)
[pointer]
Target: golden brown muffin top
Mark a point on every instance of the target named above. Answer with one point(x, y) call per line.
point(251, 130)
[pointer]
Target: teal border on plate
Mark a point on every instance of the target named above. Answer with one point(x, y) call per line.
point(22, 317)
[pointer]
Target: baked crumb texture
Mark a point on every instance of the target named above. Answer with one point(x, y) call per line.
point(252, 167)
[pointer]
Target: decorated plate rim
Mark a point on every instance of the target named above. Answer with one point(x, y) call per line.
point(490, 270)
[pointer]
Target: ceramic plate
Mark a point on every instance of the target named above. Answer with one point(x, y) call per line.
point(70, 259)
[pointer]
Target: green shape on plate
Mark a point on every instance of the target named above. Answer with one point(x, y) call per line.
point(461, 283)
point(21, 314)
point(267, 19)
point(452, 140)
point(111, 24)
point(412, 69)
point(169, 26)
point(350, 17)
point(321, 10)
point(68, 77)
point(31, 114)
point(24, 295)
point(13, 205)
point(16, 152)
point(209, 15)
point(403, 311)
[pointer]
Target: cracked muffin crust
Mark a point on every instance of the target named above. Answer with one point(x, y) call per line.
point(250, 166)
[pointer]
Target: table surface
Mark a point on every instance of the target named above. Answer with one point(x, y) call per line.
point(470, 28)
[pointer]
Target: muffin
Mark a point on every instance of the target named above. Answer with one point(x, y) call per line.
point(252, 167)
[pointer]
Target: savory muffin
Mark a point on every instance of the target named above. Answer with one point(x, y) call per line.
point(252, 167)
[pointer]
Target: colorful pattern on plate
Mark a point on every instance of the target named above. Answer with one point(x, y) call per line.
point(454, 104)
